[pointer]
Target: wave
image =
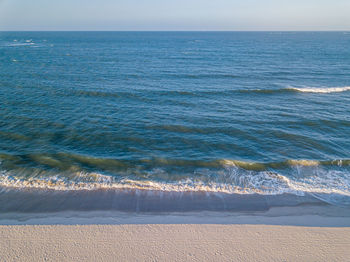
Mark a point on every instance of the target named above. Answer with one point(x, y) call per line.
point(21, 44)
point(328, 180)
point(69, 161)
point(144, 94)
point(291, 89)
point(321, 90)
point(265, 183)
point(307, 178)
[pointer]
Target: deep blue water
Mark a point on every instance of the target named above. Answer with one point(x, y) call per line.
point(223, 112)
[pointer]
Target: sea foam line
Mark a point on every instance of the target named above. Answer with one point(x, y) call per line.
point(233, 181)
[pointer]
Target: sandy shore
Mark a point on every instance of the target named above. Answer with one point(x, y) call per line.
point(305, 233)
point(173, 243)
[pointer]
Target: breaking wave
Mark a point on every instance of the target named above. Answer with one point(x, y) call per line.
point(292, 89)
point(229, 180)
point(68, 172)
point(321, 90)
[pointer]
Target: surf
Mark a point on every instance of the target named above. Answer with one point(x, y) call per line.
point(323, 179)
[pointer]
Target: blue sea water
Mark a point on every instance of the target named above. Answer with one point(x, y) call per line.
point(220, 114)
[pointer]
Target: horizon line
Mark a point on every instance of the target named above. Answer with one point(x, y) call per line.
point(345, 30)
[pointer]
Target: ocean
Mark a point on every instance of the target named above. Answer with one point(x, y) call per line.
point(173, 121)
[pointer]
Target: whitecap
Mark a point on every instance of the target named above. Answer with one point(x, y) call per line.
point(323, 90)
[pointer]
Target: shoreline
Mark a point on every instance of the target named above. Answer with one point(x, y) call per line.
point(303, 215)
point(299, 233)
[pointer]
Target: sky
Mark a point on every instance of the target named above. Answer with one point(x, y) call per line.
point(177, 15)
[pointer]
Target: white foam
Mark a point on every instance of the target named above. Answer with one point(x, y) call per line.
point(323, 90)
point(230, 180)
point(22, 44)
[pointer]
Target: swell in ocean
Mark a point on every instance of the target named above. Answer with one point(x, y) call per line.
point(140, 95)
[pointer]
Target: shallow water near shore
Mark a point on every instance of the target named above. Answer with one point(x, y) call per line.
point(173, 121)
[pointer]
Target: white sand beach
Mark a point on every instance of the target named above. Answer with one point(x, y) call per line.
point(173, 243)
point(177, 237)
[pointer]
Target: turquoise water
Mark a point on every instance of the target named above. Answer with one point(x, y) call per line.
point(216, 113)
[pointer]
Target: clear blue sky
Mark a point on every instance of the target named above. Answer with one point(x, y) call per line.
point(174, 14)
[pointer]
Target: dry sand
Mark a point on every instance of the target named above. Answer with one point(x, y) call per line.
point(282, 234)
point(155, 242)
